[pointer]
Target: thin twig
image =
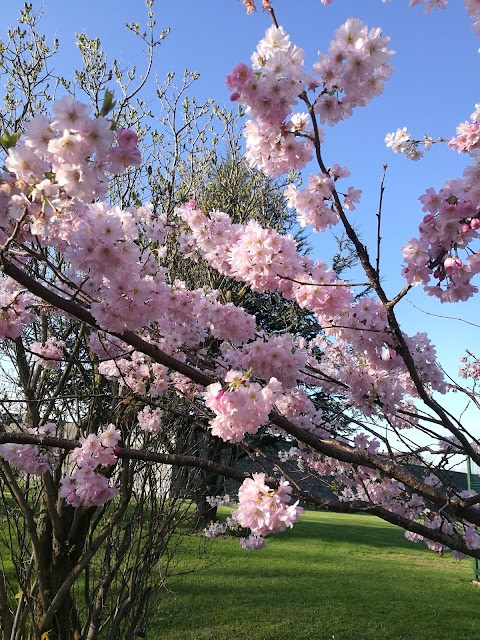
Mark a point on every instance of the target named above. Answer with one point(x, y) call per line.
point(439, 315)
point(379, 218)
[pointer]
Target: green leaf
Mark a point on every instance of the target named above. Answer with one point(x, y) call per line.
point(108, 103)
point(8, 140)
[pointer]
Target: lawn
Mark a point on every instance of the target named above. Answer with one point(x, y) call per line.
point(333, 577)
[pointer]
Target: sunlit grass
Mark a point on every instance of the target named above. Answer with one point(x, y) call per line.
point(342, 577)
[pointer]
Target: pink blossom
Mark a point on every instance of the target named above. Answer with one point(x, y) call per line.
point(49, 354)
point(253, 542)
point(240, 408)
point(263, 510)
point(150, 419)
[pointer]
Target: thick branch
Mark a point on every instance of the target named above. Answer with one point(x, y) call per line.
point(131, 454)
point(330, 448)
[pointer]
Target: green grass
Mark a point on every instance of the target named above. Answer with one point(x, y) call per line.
point(342, 577)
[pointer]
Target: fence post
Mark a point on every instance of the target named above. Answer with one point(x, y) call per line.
point(470, 483)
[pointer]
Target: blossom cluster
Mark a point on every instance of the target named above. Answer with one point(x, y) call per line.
point(150, 419)
point(275, 143)
point(88, 486)
point(357, 483)
point(74, 148)
point(315, 205)
point(264, 510)
point(98, 240)
point(253, 542)
point(241, 406)
point(251, 8)
point(101, 245)
point(400, 141)
point(473, 10)
point(467, 531)
point(268, 357)
point(361, 352)
point(297, 406)
point(353, 72)
point(450, 225)
point(137, 373)
point(219, 501)
point(350, 75)
point(429, 4)
point(14, 309)
point(49, 354)
point(215, 529)
point(470, 367)
point(468, 137)
point(30, 458)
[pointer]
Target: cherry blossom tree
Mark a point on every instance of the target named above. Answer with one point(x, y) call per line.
point(67, 396)
point(105, 585)
point(72, 254)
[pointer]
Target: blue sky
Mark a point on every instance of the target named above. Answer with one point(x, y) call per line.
point(434, 87)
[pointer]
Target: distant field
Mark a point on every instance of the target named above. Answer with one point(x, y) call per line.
point(333, 577)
